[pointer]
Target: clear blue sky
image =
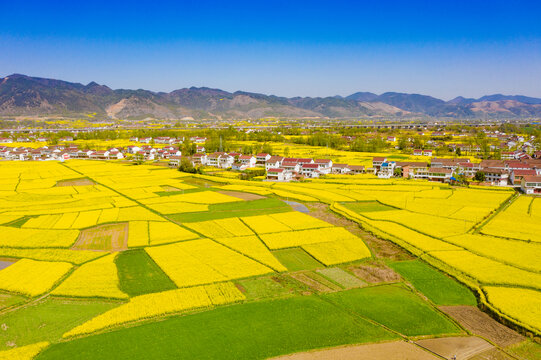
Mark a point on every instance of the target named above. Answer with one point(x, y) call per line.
point(305, 48)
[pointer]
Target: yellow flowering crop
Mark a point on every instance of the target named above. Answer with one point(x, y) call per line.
point(15, 237)
point(487, 271)
point(178, 207)
point(253, 247)
point(62, 255)
point(27, 352)
point(264, 224)
point(203, 261)
point(299, 221)
point(158, 304)
point(166, 232)
point(339, 251)
point(108, 215)
point(137, 213)
point(86, 219)
point(138, 234)
point(234, 226)
point(32, 277)
point(523, 305)
point(66, 221)
point(303, 237)
point(97, 278)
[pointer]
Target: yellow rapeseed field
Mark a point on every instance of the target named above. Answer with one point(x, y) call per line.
point(138, 234)
point(253, 247)
point(523, 305)
point(166, 232)
point(339, 251)
point(27, 352)
point(36, 238)
point(298, 238)
point(30, 277)
point(97, 278)
point(167, 302)
point(203, 261)
point(264, 224)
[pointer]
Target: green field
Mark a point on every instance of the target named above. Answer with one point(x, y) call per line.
point(255, 330)
point(266, 287)
point(235, 209)
point(47, 320)
point(395, 307)
point(296, 259)
point(439, 288)
point(341, 277)
point(138, 274)
point(7, 300)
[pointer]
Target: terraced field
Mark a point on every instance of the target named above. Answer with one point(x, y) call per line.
point(141, 257)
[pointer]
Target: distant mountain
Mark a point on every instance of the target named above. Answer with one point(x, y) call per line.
point(25, 95)
point(362, 96)
point(519, 98)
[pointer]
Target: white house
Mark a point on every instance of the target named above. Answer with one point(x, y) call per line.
point(278, 174)
point(310, 170)
point(262, 158)
point(247, 160)
point(531, 184)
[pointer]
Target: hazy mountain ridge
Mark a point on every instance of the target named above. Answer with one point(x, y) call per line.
point(25, 95)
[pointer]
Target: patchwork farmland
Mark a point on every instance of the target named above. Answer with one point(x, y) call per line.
point(108, 260)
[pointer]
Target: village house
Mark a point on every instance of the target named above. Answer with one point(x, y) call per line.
point(200, 149)
point(498, 177)
point(199, 159)
point(417, 152)
point(275, 174)
point(531, 184)
point(324, 165)
point(386, 170)
point(226, 161)
point(261, 159)
point(516, 175)
point(310, 170)
point(273, 162)
point(248, 161)
point(377, 161)
point(440, 174)
point(340, 169)
point(356, 169)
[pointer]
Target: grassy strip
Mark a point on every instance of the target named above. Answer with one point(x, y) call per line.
point(439, 288)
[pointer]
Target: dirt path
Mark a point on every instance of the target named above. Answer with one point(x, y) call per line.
point(241, 195)
point(479, 323)
point(397, 350)
point(375, 273)
point(311, 283)
point(463, 347)
point(76, 182)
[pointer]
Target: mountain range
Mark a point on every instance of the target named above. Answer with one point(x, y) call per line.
point(25, 95)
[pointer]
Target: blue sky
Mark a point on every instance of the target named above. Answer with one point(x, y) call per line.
point(289, 48)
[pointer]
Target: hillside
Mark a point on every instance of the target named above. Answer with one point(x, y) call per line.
point(25, 95)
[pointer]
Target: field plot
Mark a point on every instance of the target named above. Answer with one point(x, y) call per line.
point(396, 308)
point(47, 320)
point(152, 305)
point(521, 304)
point(203, 261)
point(30, 277)
point(439, 288)
point(138, 274)
point(97, 278)
point(274, 328)
point(296, 259)
point(104, 237)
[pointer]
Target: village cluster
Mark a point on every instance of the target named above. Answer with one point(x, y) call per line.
point(517, 168)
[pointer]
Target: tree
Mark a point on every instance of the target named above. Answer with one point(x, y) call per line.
point(479, 176)
point(187, 166)
point(138, 159)
point(458, 151)
point(286, 151)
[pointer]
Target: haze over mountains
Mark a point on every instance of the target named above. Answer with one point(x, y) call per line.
point(25, 95)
